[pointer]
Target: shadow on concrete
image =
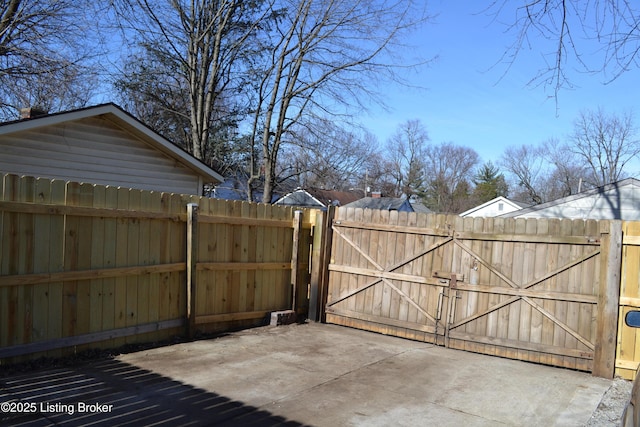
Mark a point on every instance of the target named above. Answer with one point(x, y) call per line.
point(122, 394)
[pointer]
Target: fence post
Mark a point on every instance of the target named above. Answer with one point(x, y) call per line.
point(295, 264)
point(320, 258)
point(604, 357)
point(192, 245)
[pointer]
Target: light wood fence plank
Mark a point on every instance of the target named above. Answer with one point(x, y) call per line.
point(109, 259)
point(43, 245)
point(122, 260)
point(381, 247)
point(155, 231)
point(250, 257)
point(98, 243)
point(363, 242)
point(540, 268)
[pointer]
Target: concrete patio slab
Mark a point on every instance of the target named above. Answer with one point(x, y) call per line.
point(313, 374)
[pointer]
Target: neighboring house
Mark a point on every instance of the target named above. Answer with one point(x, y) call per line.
point(233, 188)
point(399, 204)
point(100, 145)
point(620, 200)
point(419, 207)
point(495, 207)
point(318, 198)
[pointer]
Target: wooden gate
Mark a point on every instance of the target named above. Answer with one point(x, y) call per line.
point(530, 289)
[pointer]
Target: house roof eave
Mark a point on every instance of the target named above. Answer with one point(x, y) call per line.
point(120, 118)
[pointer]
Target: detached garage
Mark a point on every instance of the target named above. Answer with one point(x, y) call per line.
point(100, 145)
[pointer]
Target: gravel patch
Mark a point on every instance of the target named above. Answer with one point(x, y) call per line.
point(611, 407)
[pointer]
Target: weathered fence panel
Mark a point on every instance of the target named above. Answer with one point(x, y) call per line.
point(535, 290)
point(85, 265)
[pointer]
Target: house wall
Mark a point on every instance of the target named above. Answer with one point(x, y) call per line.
point(492, 210)
point(93, 150)
point(622, 203)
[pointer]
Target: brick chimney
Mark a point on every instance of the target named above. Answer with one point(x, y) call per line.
point(376, 194)
point(32, 112)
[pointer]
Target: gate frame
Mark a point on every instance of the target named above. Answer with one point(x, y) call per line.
point(604, 357)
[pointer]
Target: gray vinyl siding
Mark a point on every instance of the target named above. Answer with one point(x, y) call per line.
point(94, 150)
point(622, 203)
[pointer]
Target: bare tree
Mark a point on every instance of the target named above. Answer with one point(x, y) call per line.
point(526, 165)
point(606, 143)
point(449, 168)
point(44, 55)
point(326, 55)
point(407, 151)
point(561, 27)
point(328, 156)
point(568, 172)
point(379, 175)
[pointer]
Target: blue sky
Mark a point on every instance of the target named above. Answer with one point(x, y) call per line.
point(465, 100)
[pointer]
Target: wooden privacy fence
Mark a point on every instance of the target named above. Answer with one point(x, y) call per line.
point(542, 290)
point(85, 265)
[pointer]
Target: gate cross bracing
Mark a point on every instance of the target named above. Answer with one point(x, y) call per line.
point(523, 289)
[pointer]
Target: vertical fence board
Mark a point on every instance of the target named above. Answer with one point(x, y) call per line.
point(42, 249)
point(469, 301)
point(144, 259)
point(251, 256)
point(516, 276)
point(24, 312)
point(155, 231)
point(204, 252)
point(405, 249)
point(70, 288)
point(109, 260)
point(539, 270)
point(260, 275)
point(122, 248)
point(502, 330)
point(362, 241)
point(548, 326)
point(164, 253)
point(192, 258)
point(238, 248)
point(133, 258)
point(98, 239)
